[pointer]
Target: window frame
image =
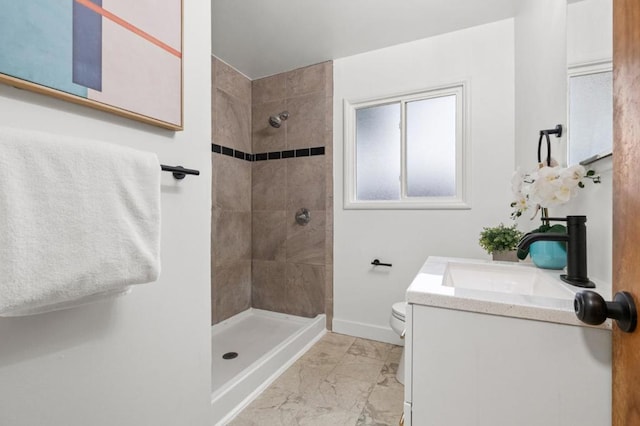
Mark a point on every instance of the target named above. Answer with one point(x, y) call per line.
point(463, 184)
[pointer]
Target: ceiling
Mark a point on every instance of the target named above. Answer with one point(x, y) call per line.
point(265, 37)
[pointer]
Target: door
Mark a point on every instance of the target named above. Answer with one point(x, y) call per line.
point(626, 203)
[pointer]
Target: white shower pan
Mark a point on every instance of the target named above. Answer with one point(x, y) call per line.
point(266, 344)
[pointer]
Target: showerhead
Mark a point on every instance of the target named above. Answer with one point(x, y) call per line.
point(276, 120)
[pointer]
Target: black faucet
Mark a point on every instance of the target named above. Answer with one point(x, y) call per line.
point(576, 239)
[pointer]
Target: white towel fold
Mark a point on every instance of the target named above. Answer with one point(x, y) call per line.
point(79, 221)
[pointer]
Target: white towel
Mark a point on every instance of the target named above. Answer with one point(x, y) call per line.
point(79, 221)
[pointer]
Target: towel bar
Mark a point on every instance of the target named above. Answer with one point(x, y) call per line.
point(179, 172)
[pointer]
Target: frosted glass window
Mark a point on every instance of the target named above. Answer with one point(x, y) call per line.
point(378, 152)
point(407, 151)
point(431, 147)
point(590, 115)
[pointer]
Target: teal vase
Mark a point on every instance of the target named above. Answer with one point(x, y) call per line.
point(548, 254)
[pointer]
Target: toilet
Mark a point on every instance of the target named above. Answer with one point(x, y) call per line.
point(397, 323)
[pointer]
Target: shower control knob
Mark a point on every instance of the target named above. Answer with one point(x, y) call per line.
point(592, 309)
point(303, 216)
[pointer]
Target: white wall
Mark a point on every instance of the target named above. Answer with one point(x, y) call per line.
point(589, 31)
point(145, 358)
point(483, 56)
point(540, 76)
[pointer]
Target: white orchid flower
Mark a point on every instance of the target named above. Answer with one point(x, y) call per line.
point(547, 186)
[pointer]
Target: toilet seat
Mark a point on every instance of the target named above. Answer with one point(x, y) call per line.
point(397, 323)
point(399, 310)
point(397, 319)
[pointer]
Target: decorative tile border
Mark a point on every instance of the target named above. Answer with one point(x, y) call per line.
point(263, 156)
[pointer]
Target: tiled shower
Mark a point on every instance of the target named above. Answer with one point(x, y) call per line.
point(262, 176)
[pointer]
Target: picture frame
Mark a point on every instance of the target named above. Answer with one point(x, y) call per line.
point(119, 56)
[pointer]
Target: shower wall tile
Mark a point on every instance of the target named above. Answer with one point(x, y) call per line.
point(305, 244)
point(307, 80)
point(328, 247)
point(305, 288)
point(214, 100)
point(328, 122)
point(216, 248)
point(269, 89)
point(266, 138)
point(232, 122)
point(298, 282)
point(329, 203)
point(328, 79)
point(231, 184)
point(268, 287)
point(269, 235)
point(328, 295)
point(306, 126)
point(231, 81)
point(231, 237)
point(232, 293)
point(231, 193)
point(268, 185)
point(306, 183)
point(214, 191)
point(328, 163)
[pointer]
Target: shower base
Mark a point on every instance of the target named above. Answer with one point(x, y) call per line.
point(250, 350)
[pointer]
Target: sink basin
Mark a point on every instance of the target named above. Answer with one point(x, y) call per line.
point(501, 278)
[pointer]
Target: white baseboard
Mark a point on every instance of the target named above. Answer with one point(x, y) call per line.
point(366, 331)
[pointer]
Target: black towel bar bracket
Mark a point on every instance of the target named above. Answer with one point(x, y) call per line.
point(555, 131)
point(179, 172)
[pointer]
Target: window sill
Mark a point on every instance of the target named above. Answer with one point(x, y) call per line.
point(407, 205)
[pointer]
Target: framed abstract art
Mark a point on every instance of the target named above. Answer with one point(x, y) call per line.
point(120, 56)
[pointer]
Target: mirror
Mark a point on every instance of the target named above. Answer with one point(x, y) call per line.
point(590, 113)
point(589, 84)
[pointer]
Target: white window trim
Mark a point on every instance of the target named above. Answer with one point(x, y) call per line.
point(463, 153)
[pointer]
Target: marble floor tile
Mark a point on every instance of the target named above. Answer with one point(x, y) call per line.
point(331, 348)
point(359, 367)
point(388, 372)
point(370, 349)
point(274, 408)
point(395, 353)
point(302, 380)
point(340, 381)
point(334, 342)
point(314, 416)
point(384, 405)
point(342, 392)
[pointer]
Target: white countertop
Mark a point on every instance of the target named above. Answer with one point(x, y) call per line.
point(428, 289)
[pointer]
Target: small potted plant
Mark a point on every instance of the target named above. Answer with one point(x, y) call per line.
point(501, 241)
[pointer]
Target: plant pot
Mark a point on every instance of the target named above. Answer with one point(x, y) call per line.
point(505, 255)
point(548, 254)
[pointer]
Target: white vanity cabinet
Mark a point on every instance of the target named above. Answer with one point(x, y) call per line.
point(478, 368)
